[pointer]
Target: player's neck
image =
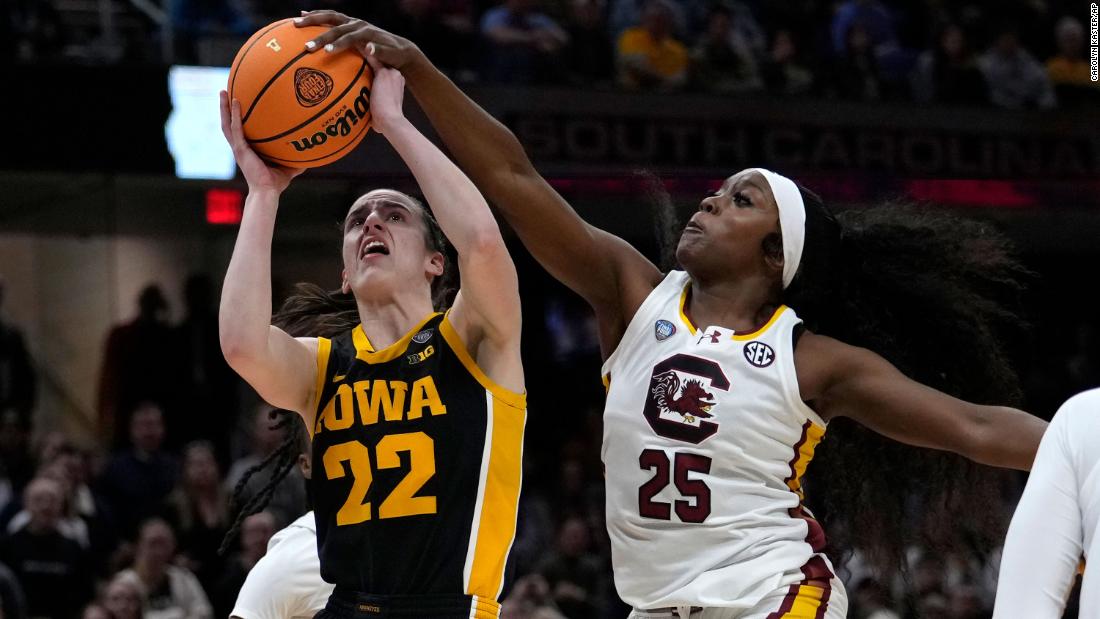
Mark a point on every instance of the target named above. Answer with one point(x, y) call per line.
point(743, 305)
point(386, 320)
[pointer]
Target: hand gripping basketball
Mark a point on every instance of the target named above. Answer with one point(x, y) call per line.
point(369, 40)
point(259, 175)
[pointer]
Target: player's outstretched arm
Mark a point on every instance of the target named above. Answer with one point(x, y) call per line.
point(487, 309)
point(604, 269)
point(280, 368)
point(847, 381)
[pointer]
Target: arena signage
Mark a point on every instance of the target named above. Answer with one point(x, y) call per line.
point(720, 144)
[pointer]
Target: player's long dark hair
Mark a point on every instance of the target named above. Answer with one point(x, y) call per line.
point(936, 295)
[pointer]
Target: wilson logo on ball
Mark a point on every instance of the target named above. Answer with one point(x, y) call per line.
point(311, 86)
point(340, 125)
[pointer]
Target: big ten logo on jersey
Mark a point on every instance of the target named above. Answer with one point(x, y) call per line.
point(368, 402)
point(680, 403)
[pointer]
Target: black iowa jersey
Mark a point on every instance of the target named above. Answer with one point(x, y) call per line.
point(416, 467)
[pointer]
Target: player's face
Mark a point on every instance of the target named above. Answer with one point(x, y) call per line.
point(384, 245)
point(725, 237)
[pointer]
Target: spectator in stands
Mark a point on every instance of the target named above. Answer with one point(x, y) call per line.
point(17, 375)
point(446, 41)
point(199, 510)
point(85, 518)
point(256, 532)
point(530, 599)
point(782, 71)
point(648, 56)
point(194, 19)
point(574, 575)
point(871, 600)
point(137, 480)
point(1069, 70)
point(133, 370)
point(206, 387)
point(871, 15)
point(16, 462)
point(45, 561)
point(723, 62)
point(856, 74)
point(173, 592)
point(522, 45)
point(288, 501)
point(31, 30)
point(590, 57)
point(125, 597)
point(1016, 80)
point(948, 73)
point(12, 603)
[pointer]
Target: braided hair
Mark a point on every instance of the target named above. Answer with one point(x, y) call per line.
point(284, 457)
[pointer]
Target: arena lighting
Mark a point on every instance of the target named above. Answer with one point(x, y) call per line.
point(224, 206)
point(193, 130)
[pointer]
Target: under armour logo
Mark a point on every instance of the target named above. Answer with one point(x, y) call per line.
point(713, 337)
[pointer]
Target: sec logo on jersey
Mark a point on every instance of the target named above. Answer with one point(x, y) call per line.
point(759, 354)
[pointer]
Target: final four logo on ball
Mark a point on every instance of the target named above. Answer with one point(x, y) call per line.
point(311, 86)
point(664, 330)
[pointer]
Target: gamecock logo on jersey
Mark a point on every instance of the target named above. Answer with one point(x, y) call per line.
point(681, 399)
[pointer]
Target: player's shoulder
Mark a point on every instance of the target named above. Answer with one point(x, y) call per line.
point(1080, 412)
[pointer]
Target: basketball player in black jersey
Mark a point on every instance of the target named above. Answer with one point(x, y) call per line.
point(416, 417)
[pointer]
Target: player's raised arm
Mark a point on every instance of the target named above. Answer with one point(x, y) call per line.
point(487, 308)
point(848, 381)
point(279, 367)
point(604, 269)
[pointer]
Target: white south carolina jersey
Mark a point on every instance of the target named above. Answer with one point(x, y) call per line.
point(286, 583)
point(706, 439)
point(1056, 526)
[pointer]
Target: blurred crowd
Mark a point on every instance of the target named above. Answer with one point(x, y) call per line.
point(128, 523)
point(1016, 55)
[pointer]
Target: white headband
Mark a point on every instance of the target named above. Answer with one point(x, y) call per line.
point(792, 220)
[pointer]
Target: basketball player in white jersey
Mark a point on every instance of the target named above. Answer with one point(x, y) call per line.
point(286, 582)
point(1057, 523)
point(707, 430)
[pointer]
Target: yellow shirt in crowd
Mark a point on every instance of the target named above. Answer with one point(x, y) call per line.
point(667, 57)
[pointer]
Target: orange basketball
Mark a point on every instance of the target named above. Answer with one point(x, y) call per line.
point(300, 109)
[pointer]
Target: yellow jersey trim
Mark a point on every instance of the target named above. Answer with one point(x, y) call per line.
point(496, 529)
point(804, 453)
point(767, 325)
point(808, 603)
point(505, 395)
point(324, 351)
point(365, 352)
point(683, 305)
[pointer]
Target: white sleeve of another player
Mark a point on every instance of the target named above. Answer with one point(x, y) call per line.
point(1045, 540)
point(286, 582)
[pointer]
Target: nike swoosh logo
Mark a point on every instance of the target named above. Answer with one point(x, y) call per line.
point(339, 377)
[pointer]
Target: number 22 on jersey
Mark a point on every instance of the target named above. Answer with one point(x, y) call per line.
point(402, 500)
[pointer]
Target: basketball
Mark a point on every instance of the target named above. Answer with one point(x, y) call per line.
point(300, 109)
